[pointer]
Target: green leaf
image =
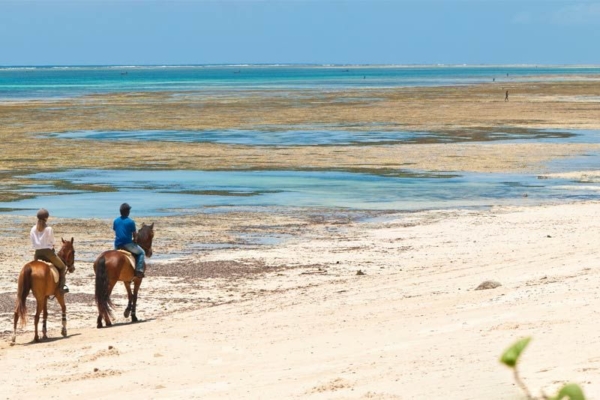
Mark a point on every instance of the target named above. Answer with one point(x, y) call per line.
point(511, 355)
point(570, 391)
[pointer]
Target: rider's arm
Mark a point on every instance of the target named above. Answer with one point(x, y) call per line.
point(50, 236)
point(133, 231)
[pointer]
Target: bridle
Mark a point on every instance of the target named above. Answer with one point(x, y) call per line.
point(69, 258)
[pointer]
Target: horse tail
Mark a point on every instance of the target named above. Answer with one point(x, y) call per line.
point(23, 289)
point(102, 296)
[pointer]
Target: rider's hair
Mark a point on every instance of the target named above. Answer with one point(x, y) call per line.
point(42, 216)
point(124, 209)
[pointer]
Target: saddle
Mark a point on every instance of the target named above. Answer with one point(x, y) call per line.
point(53, 270)
point(129, 256)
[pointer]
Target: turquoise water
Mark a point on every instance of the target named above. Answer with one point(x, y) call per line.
point(49, 82)
point(176, 192)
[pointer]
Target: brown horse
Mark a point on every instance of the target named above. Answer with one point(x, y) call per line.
point(113, 266)
point(36, 277)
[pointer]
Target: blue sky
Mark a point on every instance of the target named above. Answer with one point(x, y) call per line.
point(136, 32)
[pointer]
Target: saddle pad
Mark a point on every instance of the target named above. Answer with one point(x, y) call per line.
point(53, 270)
point(129, 257)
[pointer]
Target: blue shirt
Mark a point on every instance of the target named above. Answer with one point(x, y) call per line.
point(124, 228)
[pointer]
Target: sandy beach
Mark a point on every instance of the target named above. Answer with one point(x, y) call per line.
point(270, 304)
point(294, 320)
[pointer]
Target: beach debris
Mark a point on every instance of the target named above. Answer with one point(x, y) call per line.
point(488, 285)
point(359, 272)
point(548, 236)
point(96, 370)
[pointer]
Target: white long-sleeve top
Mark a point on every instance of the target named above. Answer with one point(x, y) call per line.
point(43, 239)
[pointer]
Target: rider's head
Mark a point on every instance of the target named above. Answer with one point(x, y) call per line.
point(43, 214)
point(125, 209)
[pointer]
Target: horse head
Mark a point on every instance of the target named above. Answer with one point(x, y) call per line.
point(67, 254)
point(144, 238)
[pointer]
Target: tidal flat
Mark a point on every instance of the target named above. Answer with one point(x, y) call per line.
point(467, 116)
point(472, 111)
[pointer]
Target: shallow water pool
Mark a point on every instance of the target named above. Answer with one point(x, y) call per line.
point(155, 193)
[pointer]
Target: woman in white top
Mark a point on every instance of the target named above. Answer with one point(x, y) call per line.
point(42, 239)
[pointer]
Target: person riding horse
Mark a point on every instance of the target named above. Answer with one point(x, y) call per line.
point(125, 235)
point(42, 240)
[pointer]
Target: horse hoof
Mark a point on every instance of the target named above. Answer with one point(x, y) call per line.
point(36, 339)
point(126, 313)
point(64, 332)
point(134, 318)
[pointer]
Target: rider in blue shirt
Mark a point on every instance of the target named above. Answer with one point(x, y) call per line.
point(125, 233)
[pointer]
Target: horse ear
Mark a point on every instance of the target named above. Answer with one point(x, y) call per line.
point(63, 240)
point(143, 224)
point(152, 226)
point(72, 239)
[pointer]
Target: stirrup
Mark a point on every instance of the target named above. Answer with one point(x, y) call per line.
point(139, 274)
point(65, 289)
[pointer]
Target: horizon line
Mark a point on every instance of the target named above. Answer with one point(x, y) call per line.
point(325, 65)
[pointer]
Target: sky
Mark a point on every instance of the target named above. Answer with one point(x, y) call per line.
point(137, 32)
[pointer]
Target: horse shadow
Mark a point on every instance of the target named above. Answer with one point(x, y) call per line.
point(49, 340)
point(128, 323)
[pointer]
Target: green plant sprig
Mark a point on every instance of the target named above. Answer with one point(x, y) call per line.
point(510, 358)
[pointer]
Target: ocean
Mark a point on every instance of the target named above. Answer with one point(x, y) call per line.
point(22, 82)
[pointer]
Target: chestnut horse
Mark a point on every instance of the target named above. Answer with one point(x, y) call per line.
point(113, 266)
point(37, 278)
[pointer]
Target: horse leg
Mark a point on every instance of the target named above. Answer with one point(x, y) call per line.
point(136, 287)
point(129, 299)
point(36, 319)
point(61, 300)
point(111, 285)
point(45, 319)
point(14, 336)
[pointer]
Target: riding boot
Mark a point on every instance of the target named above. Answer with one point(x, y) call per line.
point(62, 281)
